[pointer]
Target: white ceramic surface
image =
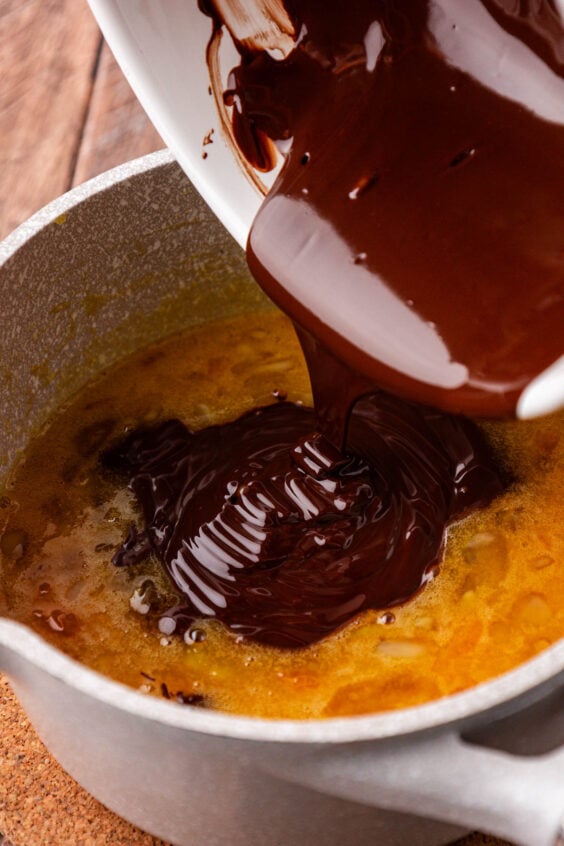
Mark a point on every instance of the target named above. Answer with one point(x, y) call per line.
point(179, 771)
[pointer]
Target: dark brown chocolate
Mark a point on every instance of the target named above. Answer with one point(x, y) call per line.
point(417, 226)
point(416, 237)
point(267, 527)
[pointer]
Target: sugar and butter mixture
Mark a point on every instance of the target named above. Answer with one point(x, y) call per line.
point(495, 600)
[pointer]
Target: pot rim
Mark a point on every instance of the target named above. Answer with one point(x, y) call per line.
point(549, 665)
point(17, 639)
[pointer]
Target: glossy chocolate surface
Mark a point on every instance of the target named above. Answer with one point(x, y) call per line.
point(267, 527)
point(415, 237)
point(416, 228)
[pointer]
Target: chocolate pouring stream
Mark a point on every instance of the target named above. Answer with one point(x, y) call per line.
point(416, 226)
point(414, 235)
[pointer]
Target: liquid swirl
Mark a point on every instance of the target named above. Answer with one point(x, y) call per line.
point(267, 527)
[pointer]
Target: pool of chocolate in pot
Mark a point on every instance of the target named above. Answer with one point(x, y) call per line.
point(494, 600)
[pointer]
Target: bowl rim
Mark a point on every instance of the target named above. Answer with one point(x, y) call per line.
point(544, 670)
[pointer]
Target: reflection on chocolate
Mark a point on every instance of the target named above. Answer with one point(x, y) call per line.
point(415, 236)
point(416, 228)
point(273, 531)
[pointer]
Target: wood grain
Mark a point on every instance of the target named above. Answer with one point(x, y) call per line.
point(116, 129)
point(48, 51)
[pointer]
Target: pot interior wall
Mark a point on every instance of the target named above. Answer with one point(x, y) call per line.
point(122, 268)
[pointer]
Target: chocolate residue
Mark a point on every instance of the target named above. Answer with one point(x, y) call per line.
point(273, 531)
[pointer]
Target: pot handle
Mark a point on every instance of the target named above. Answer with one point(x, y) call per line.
point(443, 777)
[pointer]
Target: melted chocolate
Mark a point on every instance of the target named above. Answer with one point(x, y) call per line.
point(273, 531)
point(416, 228)
point(415, 236)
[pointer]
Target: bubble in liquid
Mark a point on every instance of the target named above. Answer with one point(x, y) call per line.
point(386, 619)
point(167, 625)
point(196, 635)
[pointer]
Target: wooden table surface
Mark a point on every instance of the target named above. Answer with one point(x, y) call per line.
point(66, 114)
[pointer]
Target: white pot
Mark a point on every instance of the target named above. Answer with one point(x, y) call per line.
point(141, 238)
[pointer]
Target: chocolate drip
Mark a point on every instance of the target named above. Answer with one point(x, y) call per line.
point(416, 227)
point(267, 527)
point(414, 235)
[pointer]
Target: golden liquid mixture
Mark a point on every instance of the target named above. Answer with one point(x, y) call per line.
point(496, 600)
